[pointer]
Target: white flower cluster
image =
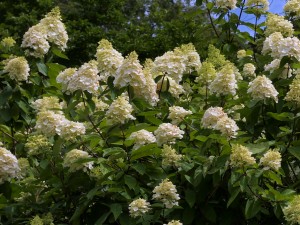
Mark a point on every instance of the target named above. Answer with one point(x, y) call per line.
point(170, 156)
point(191, 58)
point(272, 65)
point(262, 5)
point(17, 68)
point(225, 82)
point(278, 46)
point(119, 111)
point(292, 7)
point(148, 91)
point(138, 207)
point(86, 78)
point(271, 160)
point(49, 29)
point(174, 222)
point(141, 138)
point(109, 59)
point(241, 156)
point(72, 160)
point(275, 23)
point(170, 64)
point(241, 54)
point(174, 64)
point(51, 121)
point(9, 167)
point(249, 70)
point(293, 94)
point(175, 89)
point(47, 103)
point(230, 4)
point(217, 119)
point(177, 114)
point(167, 133)
point(7, 42)
point(206, 73)
point(130, 72)
point(262, 88)
point(292, 210)
point(167, 193)
point(38, 144)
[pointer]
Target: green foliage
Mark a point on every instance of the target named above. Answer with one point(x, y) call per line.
point(109, 171)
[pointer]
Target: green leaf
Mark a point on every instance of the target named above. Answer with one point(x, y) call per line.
point(285, 116)
point(116, 209)
point(190, 197)
point(295, 151)
point(145, 151)
point(5, 94)
point(233, 196)
point(130, 181)
point(209, 213)
point(252, 208)
point(59, 53)
point(103, 218)
point(153, 120)
point(257, 148)
point(42, 68)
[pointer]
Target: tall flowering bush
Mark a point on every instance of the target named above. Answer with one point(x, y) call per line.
point(181, 138)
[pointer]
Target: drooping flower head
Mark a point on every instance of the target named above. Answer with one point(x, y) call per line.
point(241, 54)
point(9, 167)
point(278, 46)
point(36, 40)
point(174, 222)
point(138, 207)
point(109, 59)
point(49, 29)
point(215, 57)
point(47, 103)
point(227, 127)
point(147, 91)
point(271, 160)
point(17, 68)
point(211, 117)
point(7, 42)
point(167, 193)
point(229, 4)
point(142, 137)
point(69, 130)
point(275, 23)
point(72, 160)
point(177, 114)
point(206, 72)
point(191, 58)
point(292, 7)
point(119, 111)
point(261, 5)
point(167, 133)
point(130, 72)
point(293, 94)
point(261, 88)
point(249, 70)
point(225, 82)
point(56, 31)
point(169, 156)
point(241, 156)
point(170, 64)
point(292, 210)
point(38, 144)
point(86, 78)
